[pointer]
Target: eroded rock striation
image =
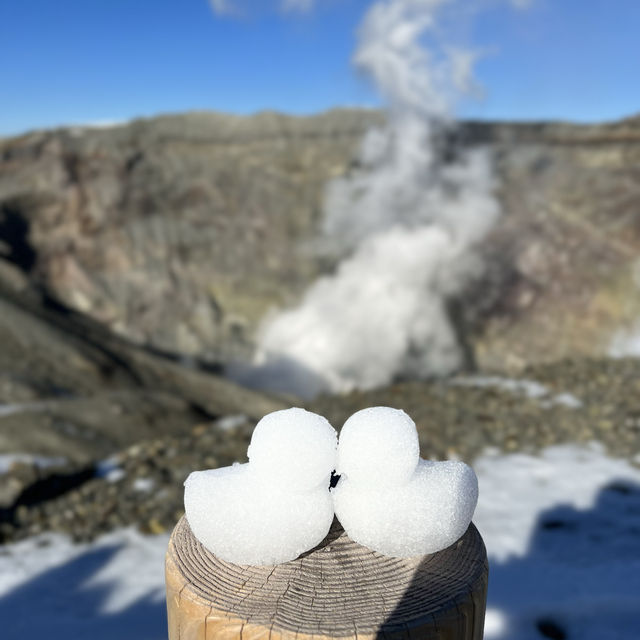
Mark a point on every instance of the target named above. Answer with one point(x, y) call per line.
point(182, 232)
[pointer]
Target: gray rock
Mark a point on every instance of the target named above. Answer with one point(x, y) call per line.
point(74, 389)
point(182, 232)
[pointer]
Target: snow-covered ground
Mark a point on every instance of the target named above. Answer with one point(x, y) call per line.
point(626, 343)
point(17, 407)
point(563, 535)
point(524, 387)
point(112, 589)
point(7, 459)
point(562, 531)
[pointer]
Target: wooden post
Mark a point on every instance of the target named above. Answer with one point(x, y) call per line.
point(337, 590)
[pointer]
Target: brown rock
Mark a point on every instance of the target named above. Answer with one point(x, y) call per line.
point(181, 232)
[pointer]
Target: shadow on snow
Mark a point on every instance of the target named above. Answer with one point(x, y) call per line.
point(58, 605)
point(580, 577)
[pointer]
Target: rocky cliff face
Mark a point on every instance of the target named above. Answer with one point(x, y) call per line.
point(134, 259)
point(179, 232)
point(182, 232)
point(570, 237)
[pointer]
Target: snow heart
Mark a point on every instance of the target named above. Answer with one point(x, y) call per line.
point(279, 505)
point(276, 506)
point(388, 498)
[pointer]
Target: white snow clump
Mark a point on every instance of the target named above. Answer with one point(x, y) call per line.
point(276, 506)
point(392, 501)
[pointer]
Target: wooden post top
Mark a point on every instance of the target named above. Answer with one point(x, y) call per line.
point(339, 589)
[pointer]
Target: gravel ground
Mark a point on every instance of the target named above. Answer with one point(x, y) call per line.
point(141, 485)
point(571, 401)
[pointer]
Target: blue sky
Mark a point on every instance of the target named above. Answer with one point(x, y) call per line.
point(81, 61)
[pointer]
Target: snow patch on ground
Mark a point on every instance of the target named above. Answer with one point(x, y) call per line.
point(113, 588)
point(626, 344)
point(562, 531)
point(528, 388)
point(563, 535)
point(143, 484)
point(228, 423)
point(110, 470)
point(8, 459)
point(19, 407)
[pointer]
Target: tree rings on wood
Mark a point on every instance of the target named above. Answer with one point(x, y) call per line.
point(339, 589)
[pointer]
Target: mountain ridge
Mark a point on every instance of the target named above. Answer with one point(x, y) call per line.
point(182, 232)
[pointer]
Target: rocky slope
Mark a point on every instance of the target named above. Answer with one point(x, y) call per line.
point(179, 231)
point(570, 402)
point(70, 388)
point(135, 261)
point(182, 232)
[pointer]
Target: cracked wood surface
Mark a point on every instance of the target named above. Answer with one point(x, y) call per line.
point(338, 590)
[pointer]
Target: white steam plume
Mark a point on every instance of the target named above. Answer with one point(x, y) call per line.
point(301, 6)
point(407, 222)
point(223, 7)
